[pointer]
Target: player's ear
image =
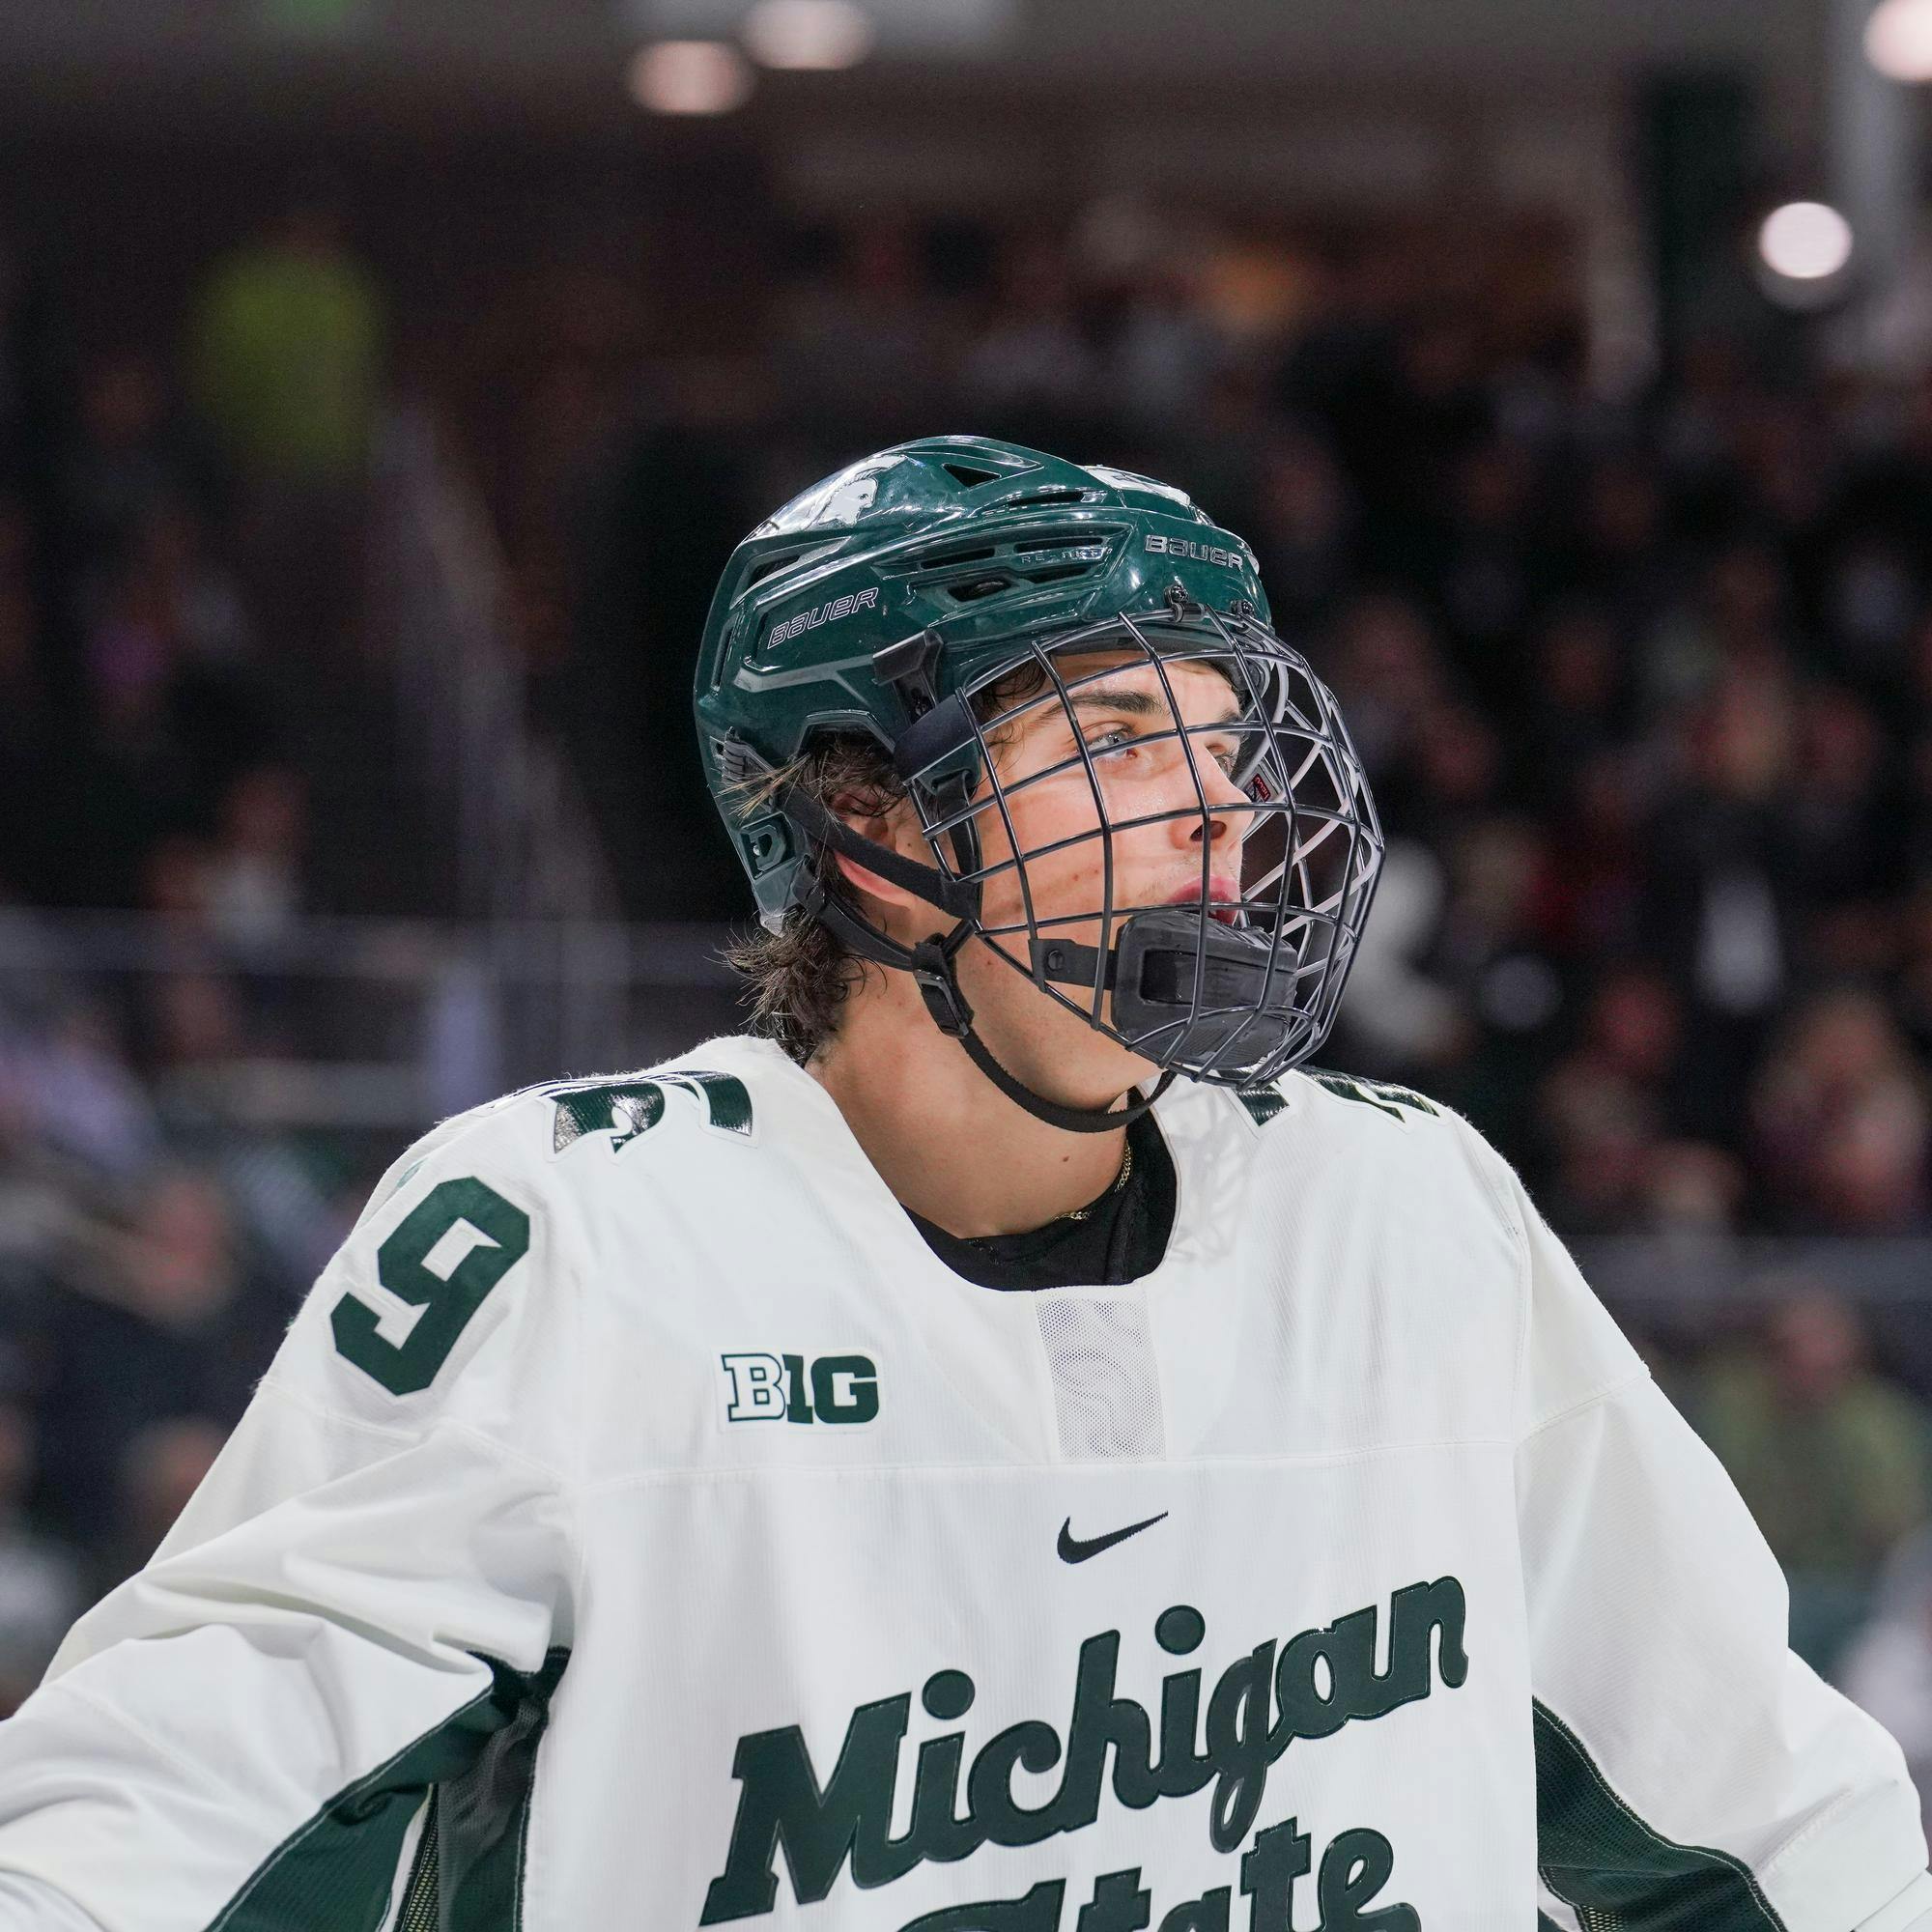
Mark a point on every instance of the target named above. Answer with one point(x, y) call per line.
point(895, 827)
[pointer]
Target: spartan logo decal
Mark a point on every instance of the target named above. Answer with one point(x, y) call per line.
point(1264, 1103)
point(1376, 1093)
point(625, 1109)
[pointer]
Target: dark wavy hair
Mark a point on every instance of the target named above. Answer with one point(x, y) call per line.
point(798, 979)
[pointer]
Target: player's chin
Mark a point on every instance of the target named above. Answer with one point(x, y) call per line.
point(1094, 1068)
point(1137, 1066)
point(1060, 1053)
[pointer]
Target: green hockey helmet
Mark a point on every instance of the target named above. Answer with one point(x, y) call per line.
point(895, 599)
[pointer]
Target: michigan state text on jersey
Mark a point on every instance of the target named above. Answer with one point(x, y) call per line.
point(1011, 1449)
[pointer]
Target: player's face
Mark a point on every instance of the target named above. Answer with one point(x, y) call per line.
point(1174, 823)
point(1159, 819)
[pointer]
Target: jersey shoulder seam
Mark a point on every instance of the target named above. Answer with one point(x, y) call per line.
point(466, 1126)
point(122, 1720)
point(1493, 1175)
point(723, 1473)
point(1635, 1379)
point(389, 1431)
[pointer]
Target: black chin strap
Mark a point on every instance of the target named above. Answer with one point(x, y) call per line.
point(931, 964)
point(933, 967)
point(926, 882)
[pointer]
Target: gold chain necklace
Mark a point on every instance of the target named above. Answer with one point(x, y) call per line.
point(1120, 1181)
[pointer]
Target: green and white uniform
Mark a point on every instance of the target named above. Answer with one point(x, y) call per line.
point(641, 1529)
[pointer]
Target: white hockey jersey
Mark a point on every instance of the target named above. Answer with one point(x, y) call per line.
point(641, 1530)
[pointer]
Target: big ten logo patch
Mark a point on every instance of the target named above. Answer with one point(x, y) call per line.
point(838, 1389)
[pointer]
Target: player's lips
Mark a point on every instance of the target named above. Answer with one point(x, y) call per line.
point(1224, 896)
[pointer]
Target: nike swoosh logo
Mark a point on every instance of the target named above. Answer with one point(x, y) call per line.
point(1076, 1549)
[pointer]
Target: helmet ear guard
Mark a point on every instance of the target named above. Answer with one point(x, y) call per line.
point(936, 888)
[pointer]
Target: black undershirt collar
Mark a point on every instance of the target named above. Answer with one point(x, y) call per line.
point(1121, 1236)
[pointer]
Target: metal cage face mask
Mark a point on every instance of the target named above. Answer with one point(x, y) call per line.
point(1159, 821)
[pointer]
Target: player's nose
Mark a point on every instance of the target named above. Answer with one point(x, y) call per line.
point(1225, 809)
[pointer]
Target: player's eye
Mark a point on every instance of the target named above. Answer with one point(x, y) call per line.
point(1119, 743)
point(1112, 742)
point(1225, 752)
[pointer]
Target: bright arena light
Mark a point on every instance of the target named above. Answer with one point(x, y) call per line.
point(818, 35)
point(1804, 241)
point(1899, 40)
point(689, 78)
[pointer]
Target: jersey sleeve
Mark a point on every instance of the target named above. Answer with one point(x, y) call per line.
point(376, 1580)
point(1689, 1769)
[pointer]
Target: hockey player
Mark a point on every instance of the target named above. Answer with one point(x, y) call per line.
point(1002, 1451)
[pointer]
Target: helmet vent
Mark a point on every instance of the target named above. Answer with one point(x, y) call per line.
point(946, 560)
point(967, 474)
point(1059, 542)
point(766, 565)
point(977, 587)
point(1042, 498)
point(737, 763)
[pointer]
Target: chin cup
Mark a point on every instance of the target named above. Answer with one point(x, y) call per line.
point(1186, 987)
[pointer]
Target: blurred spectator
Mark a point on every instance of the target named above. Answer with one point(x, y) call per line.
point(68, 1088)
point(1608, 1106)
point(1719, 889)
point(42, 1587)
point(1830, 1456)
point(159, 1319)
point(202, 602)
point(1388, 673)
point(1838, 823)
point(1839, 1122)
point(1621, 557)
point(1488, 569)
point(128, 451)
point(1394, 1013)
point(1603, 1142)
point(1302, 529)
point(162, 1466)
point(26, 724)
point(1591, 897)
point(1031, 365)
point(253, 881)
point(288, 348)
point(858, 347)
point(1573, 709)
point(1166, 349)
point(1489, 950)
point(1886, 1669)
point(1692, 1191)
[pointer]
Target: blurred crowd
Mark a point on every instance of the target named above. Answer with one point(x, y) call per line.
point(176, 565)
point(175, 561)
point(1643, 685)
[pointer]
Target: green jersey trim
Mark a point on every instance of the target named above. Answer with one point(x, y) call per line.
point(335, 1873)
point(1596, 1854)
